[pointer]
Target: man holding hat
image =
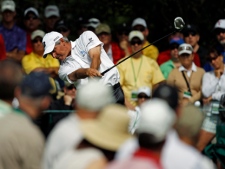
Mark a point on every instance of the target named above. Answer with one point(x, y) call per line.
point(14, 37)
point(82, 59)
point(138, 71)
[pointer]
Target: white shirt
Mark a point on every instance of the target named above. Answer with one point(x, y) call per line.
point(213, 86)
point(80, 59)
point(177, 155)
point(193, 68)
point(66, 135)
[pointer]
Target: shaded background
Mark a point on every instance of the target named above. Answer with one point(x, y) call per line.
point(159, 14)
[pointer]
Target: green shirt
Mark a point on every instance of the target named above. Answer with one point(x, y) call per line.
point(166, 68)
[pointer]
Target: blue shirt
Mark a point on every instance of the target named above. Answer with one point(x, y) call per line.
point(13, 38)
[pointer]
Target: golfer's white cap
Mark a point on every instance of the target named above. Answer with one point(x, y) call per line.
point(49, 41)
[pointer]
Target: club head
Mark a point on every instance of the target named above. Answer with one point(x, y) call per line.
point(179, 23)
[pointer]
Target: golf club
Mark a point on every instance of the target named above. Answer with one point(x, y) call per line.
point(178, 24)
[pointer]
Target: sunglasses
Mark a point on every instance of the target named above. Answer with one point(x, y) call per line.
point(143, 96)
point(187, 34)
point(134, 42)
point(70, 87)
point(210, 59)
point(141, 29)
point(219, 31)
point(31, 17)
point(37, 40)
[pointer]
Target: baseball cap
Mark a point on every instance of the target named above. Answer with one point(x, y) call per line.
point(220, 24)
point(93, 22)
point(190, 28)
point(134, 34)
point(146, 90)
point(157, 118)
point(176, 40)
point(51, 10)
point(36, 33)
point(36, 84)
point(102, 28)
point(94, 95)
point(139, 21)
point(49, 41)
point(110, 129)
point(33, 10)
point(8, 5)
point(185, 48)
point(61, 24)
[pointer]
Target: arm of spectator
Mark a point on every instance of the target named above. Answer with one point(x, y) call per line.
point(16, 54)
point(52, 71)
point(209, 84)
point(196, 97)
point(94, 54)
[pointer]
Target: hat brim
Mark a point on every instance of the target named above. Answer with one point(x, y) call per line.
point(48, 50)
point(95, 133)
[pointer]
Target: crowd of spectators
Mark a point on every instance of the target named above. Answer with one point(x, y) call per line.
point(172, 117)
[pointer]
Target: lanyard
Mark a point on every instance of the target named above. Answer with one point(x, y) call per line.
point(136, 76)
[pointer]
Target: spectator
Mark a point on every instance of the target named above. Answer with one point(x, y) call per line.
point(51, 16)
point(188, 77)
point(35, 62)
point(112, 49)
point(122, 36)
point(139, 71)
point(62, 27)
point(192, 37)
point(212, 90)
point(31, 22)
point(150, 139)
point(106, 138)
point(14, 37)
point(143, 94)
point(219, 30)
point(21, 142)
point(10, 77)
point(174, 61)
point(92, 24)
point(139, 24)
point(60, 141)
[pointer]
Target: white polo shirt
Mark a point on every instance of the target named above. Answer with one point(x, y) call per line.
point(79, 58)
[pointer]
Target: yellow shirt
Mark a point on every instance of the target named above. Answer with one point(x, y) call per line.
point(151, 51)
point(33, 61)
point(138, 72)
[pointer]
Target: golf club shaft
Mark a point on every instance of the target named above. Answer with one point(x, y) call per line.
point(136, 52)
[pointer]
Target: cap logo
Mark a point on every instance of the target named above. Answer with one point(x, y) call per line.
point(56, 38)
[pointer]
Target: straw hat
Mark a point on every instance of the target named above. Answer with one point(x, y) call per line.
point(110, 129)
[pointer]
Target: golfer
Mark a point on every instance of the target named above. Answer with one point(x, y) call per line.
point(82, 59)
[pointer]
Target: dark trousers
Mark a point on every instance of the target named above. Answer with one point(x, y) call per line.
point(118, 94)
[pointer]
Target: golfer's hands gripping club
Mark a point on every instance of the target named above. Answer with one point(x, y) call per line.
point(93, 73)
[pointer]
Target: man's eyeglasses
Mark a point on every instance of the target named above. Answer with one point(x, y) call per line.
point(143, 96)
point(37, 40)
point(187, 34)
point(134, 42)
point(31, 17)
